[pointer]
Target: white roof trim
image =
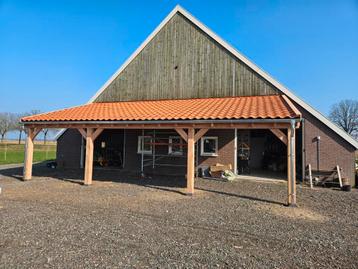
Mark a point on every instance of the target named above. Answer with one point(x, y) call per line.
point(237, 54)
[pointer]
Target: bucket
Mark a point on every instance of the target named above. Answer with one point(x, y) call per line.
point(346, 188)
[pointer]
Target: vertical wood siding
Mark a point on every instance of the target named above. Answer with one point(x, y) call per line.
point(181, 61)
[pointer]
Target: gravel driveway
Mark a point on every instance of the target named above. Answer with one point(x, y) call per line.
point(131, 223)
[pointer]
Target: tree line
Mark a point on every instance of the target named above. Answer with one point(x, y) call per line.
point(11, 122)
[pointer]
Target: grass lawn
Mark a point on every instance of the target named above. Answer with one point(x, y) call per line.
point(11, 152)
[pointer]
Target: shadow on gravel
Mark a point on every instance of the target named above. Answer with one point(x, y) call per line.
point(163, 183)
point(75, 176)
point(241, 196)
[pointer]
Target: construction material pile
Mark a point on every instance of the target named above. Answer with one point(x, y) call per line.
point(223, 172)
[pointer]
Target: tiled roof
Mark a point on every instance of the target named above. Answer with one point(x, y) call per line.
point(251, 107)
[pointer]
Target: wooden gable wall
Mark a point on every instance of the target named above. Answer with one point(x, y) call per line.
point(181, 61)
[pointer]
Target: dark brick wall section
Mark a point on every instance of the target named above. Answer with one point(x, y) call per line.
point(132, 158)
point(334, 150)
point(69, 149)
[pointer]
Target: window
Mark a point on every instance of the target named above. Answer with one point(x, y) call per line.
point(144, 144)
point(175, 145)
point(209, 146)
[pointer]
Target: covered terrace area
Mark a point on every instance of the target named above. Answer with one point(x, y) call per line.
point(190, 118)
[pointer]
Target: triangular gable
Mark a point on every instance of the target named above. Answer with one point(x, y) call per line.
point(239, 56)
point(181, 61)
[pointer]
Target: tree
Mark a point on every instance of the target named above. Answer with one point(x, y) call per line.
point(7, 121)
point(45, 132)
point(18, 126)
point(345, 115)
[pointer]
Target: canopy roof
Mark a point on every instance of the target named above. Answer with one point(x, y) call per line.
point(251, 107)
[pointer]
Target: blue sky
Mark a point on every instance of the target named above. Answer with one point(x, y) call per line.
point(56, 54)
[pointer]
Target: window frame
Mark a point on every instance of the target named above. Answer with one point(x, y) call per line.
point(139, 144)
point(170, 148)
point(202, 153)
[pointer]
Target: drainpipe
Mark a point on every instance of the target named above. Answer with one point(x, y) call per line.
point(124, 148)
point(293, 163)
point(318, 138)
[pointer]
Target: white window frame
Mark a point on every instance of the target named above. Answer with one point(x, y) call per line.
point(139, 145)
point(170, 148)
point(202, 153)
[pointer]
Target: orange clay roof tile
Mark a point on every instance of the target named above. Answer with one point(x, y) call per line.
point(250, 107)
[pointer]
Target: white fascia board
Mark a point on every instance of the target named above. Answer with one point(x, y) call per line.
point(241, 57)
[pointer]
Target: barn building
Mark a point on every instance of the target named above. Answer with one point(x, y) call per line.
point(185, 100)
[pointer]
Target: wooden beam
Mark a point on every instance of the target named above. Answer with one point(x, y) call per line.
point(199, 134)
point(280, 135)
point(182, 133)
point(82, 132)
point(190, 162)
point(29, 153)
point(89, 157)
point(97, 133)
point(35, 132)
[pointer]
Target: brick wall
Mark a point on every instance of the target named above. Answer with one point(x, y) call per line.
point(225, 148)
point(333, 149)
point(69, 149)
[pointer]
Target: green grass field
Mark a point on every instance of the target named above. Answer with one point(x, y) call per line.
point(12, 153)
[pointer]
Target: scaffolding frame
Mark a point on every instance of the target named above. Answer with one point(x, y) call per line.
point(157, 139)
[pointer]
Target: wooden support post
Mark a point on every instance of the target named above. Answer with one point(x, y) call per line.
point(190, 162)
point(29, 153)
point(89, 157)
point(291, 167)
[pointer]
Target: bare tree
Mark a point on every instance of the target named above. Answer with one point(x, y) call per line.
point(345, 115)
point(6, 123)
point(18, 126)
point(45, 132)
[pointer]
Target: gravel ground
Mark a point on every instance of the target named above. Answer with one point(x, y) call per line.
point(133, 223)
